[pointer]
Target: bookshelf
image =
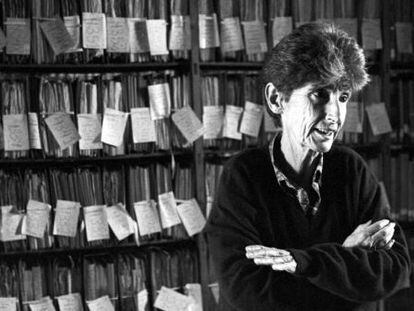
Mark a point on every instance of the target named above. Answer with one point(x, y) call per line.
point(232, 68)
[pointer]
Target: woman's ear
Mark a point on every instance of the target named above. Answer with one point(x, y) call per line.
point(273, 99)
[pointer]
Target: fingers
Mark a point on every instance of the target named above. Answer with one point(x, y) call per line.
point(273, 260)
point(389, 244)
point(289, 267)
point(383, 236)
point(376, 226)
point(257, 251)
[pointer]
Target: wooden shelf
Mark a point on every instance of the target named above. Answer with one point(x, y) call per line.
point(232, 66)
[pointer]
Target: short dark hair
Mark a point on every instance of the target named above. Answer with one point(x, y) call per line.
point(317, 53)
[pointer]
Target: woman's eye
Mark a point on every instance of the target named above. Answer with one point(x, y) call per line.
point(343, 98)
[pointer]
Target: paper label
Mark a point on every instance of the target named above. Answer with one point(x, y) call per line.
point(252, 119)
point(143, 128)
point(255, 37)
point(169, 300)
point(191, 216)
point(70, 302)
point(168, 210)
point(15, 132)
point(142, 300)
point(193, 291)
point(8, 304)
point(117, 34)
point(138, 36)
point(371, 34)
point(34, 133)
point(188, 123)
point(10, 223)
point(90, 131)
point(213, 119)
point(119, 221)
point(2, 42)
point(350, 25)
point(147, 217)
point(72, 24)
point(93, 30)
point(43, 304)
point(180, 34)
point(232, 118)
point(157, 36)
point(57, 35)
point(18, 36)
point(37, 218)
point(378, 118)
point(230, 35)
point(113, 127)
point(404, 36)
point(96, 223)
point(281, 27)
point(160, 100)
point(208, 31)
point(66, 218)
point(100, 304)
point(63, 129)
point(353, 122)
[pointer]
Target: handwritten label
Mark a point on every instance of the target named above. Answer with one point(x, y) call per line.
point(37, 218)
point(66, 218)
point(2, 40)
point(371, 34)
point(18, 36)
point(16, 133)
point(231, 35)
point(43, 304)
point(349, 25)
point(168, 210)
point(143, 128)
point(113, 127)
point(252, 119)
point(404, 35)
point(138, 36)
point(169, 300)
point(255, 37)
point(142, 300)
point(72, 24)
point(100, 304)
point(157, 36)
point(231, 122)
point(353, 123)
point(188, 123)
point(117, 34)
point(90, 131)
point(57, 35)
point(70, 302)
point(147, 217)
point(160, 100)
point(96, 222)
point(378, 118)
point(281, 27)
point(10, 223)
point(94, 30)
point(119, 221)
point(208, 31)
point(34, 133)
point(213, 119)
point(191, 216)
point(8, 304)
point(63, 129)
point(180, 34)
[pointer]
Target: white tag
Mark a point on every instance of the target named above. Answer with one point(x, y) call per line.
point(93, 30)
point(18, 36)
point(169, 300)
point(43, 304)
point(142, 299)
point(16, 133)
point(168, 210)
point(10, 223)
point(188, 123)
point(57, 35)
point(255, 37)
point(378, 118)
point(100, 304)
point(193, 291)
point(8, 304)
point(117, 34)
point(180, 34)
point(90, 131)
point(231, 122)
point(34, 133)
point(353, 122)
point(96, 222)
point(350, 25)
point(113, 127)
point(37, 218)
point(191, 216)
point(157, 36)
point(66, 218)
point(72, 24)
point(371, 34)
point(160, 100)
point(230, 34)
point(252, 119)
point(119, 221)
point(143, 128)
point(138, 36)
point(281, 27)
point(63, 129)
point(208, 31)
point(404, 34)
point(147, 217)
point(70, 302)
point(213, 119)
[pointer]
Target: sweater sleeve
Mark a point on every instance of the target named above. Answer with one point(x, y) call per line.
point(230, 228)
point(358, 274)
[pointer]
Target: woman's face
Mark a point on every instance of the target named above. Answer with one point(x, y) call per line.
point(313, 116)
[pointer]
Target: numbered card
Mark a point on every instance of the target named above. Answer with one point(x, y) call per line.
point(168, 210)
point(43, 304)
point(213, 120)
point(255, 37)
point(73, 26)
point(113, 127)
point(100, 304)
point(180, 34)
point(142, 298)
point(160, 100)
point(157, 36)
point(281, 27)
point(170, 300)
point(63, 129)
point(231, 35)
point(18, 36)
point(70, 302)
point(34, 133)
point(37, 218)
point(119, 221)
point(232, 118)
point(147, 217)
point(193, 291)
point(96, 222)
point(252, 119)
point(191, 216)
point(93, 30)
point(11, 222)
point(188, 123)
point(143, 128)
point(57, 35)
point(15, 132)
point(117, 35)
point(66, 218)
point(353, 121)
point(8, 304)
point(90, 130)
point(208, 31)
point(378, 118)
point(138, 36)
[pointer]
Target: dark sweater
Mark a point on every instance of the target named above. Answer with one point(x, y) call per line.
point(251, 208)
